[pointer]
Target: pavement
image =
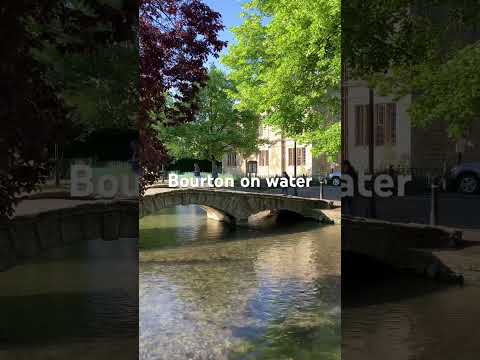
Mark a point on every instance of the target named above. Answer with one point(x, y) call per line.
point(464, 260)
point(51, 198)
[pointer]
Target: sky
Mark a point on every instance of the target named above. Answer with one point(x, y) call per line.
point(230, 11)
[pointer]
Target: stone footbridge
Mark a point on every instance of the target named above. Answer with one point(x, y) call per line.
point(27, 235)
point(416, 248)
point(233, 206)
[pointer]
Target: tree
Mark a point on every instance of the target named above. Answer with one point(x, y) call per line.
point(90, 58)
point(89, 51)
point(218, 128)
point(326, 142)
point(30, 111)
point(424, 48)
point(176, 38)
point(286, 64)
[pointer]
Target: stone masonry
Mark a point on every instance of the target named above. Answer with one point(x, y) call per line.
point(237, 206)
point(26, 236)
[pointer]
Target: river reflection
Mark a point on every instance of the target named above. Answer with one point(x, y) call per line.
point(208, 291)
point(75, 302)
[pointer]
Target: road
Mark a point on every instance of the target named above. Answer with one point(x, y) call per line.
point(454, 210)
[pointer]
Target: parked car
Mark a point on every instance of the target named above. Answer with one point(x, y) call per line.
point(465, 178)
point(334, 178)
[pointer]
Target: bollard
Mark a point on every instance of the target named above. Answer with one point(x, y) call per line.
point(321, 189)
point(434, 205)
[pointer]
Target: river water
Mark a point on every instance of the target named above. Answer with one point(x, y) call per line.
point(210, 292)
point(75, 302)
point(387, 315)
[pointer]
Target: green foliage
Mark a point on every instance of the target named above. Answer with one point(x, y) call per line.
point(94, 72)
point(447, 91)
point(326, 141)
point(286, 64)
point(218, 128)
point(425, 52)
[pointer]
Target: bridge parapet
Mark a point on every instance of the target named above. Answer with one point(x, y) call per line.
point(26, 236)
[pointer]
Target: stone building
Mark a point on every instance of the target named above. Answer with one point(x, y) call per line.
point(421, 151)
point(276, 156)
point(416, 150)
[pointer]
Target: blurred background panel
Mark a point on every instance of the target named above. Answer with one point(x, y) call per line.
point(410, 260)
point(69, 96)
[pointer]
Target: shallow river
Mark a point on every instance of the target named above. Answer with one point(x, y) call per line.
point(75, 302)
point(399, 317)
point(208, 291)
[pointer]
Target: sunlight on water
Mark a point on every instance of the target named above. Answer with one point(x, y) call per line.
point(208, 291)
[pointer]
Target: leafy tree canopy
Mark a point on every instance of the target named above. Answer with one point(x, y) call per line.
point(89, 51)
point(286, 64)
point(176, 38)
point(30, 112)
point(427, 49)
point(218, 128)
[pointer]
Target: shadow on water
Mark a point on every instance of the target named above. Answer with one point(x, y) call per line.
point(83, 315)
point(392, 315)
point(78, 302)
point(363, 279)
point(163, 230)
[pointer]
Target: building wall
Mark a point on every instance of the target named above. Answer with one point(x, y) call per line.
point(276, 146)
point(301, 169)
point(423, 150)
point(433, 148)
point(385, 155)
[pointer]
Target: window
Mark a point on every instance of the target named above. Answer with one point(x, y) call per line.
point(232, 159)
point(385, 124)
point(380, 124)
point(361, 125)
point(263, 158)
point(391, 132)
point(301, 156)
point(386, 129)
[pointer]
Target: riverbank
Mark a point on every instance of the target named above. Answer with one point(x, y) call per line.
point(446, 254)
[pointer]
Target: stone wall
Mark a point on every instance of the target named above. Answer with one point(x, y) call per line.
point(25, 237)
point(404, 246)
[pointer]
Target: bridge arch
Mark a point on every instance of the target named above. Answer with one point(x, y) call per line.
point(234, 206)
